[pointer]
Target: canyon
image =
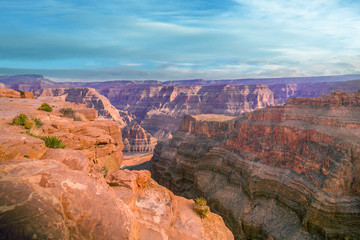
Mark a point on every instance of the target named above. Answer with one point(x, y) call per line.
point(276, 158)
point(78, 191)
point(281, 172)
point(153, 110)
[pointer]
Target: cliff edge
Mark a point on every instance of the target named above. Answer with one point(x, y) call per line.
point(75, 190)
point(286, 172)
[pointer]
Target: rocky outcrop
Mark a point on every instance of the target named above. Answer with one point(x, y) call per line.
point(161, 214)
point(44, 199)
point(136, 139)
point(88, 96)
point(285, 172)
point(10, 93)
point(78, 192)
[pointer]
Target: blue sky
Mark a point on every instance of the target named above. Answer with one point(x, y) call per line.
point(185, 39)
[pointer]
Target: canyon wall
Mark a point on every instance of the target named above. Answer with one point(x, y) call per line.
point(288, 172)
point(78, 192)
point(136, 139)
point(159, 106)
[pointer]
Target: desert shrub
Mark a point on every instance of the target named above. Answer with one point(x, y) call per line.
point(20, 119)
point(45, 107)
point(28, 124)
point(38, 122)
point(26, 156)
point(201, 208)
point(53, 142)
point(67, 112)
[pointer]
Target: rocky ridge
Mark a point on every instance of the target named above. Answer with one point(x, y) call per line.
point(78, 192)
point(286, 172)
point(159, 106)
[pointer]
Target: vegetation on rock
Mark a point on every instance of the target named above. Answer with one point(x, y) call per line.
point(20, 119)
point(38, 122)
point(45, 107)
point(201, 208)
point(67, 112)
point(53, 142)
point(28, 124)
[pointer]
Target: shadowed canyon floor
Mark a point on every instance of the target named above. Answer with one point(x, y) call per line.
point(289, 172)
point(78, 192)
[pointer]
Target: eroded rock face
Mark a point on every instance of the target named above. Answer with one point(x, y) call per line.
point(10, 93)
point(162, 107)
point(65, 195)
point(286, 172)
point(136, 139)
point(88, 96)
point(44, 199)
point(161, 214)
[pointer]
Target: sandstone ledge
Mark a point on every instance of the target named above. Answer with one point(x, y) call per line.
point(65, 195)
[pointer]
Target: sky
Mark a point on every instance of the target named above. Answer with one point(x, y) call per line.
point(88, 40)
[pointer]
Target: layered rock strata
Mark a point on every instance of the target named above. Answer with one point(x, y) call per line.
point(88, 96)
point(78, 192)
point(162, 107)
point(137, 140)
point(287, 172)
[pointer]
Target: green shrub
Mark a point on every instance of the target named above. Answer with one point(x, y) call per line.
point(20, 119)
point(201, 201)
point(201, 208)
point(53, 142)
point(45, 107)
point(38, 122)
point(67, 112)
point(29, 124)
point(26, 156)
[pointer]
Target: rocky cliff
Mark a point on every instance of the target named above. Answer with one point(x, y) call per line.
point(288, 172)
point(78, 192)
point(88, 96)
point(137, 140)
point(159, 106)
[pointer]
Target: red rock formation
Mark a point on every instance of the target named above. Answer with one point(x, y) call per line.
point(65, 195)
point(9, 93)
point(283, 172)
point(88, 96)
point(136, 139)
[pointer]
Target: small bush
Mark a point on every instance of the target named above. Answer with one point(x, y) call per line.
point(201, 201)
point(53, 142)
point(26, 156)
point(20, 119)
point(67, 112)
point(201, 208)
point(38, 122)
point(29, 124)
point(45, 107)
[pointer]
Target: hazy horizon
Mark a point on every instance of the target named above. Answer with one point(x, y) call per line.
point(172, 40)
